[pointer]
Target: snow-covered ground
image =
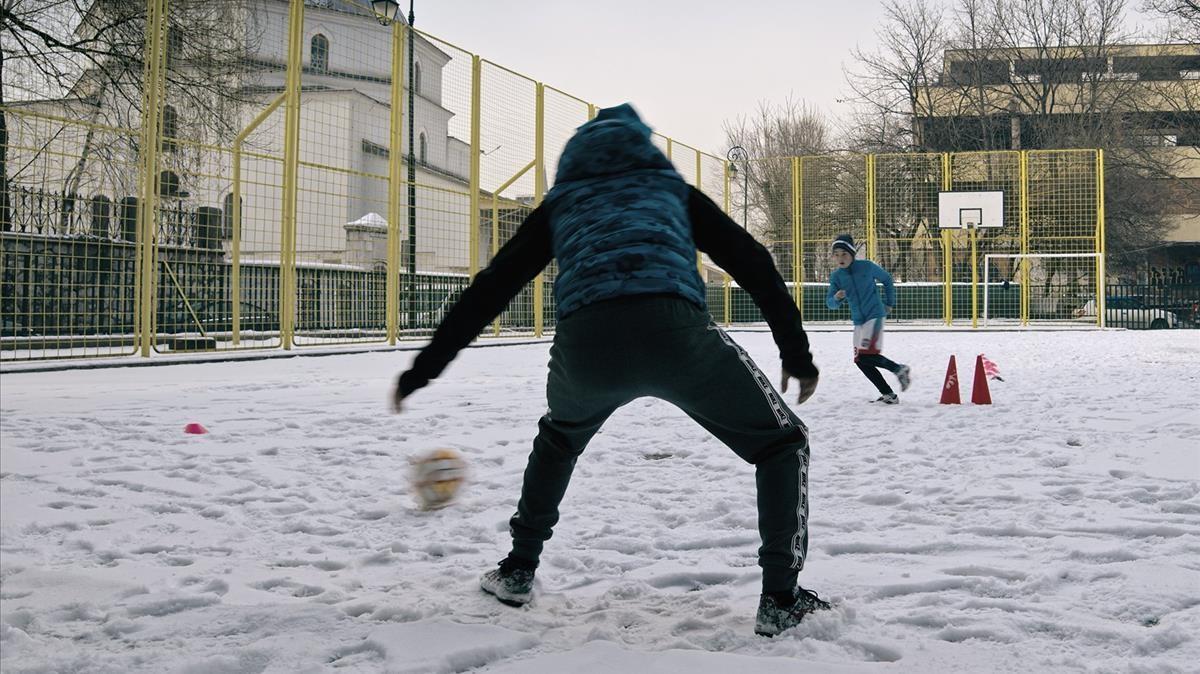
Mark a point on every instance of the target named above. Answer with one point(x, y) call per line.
point(1058, 529)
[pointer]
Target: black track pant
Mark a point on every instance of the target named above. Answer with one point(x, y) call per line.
point(869, 364)
point(610, 353)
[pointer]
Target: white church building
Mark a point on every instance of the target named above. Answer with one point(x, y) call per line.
point(344, 144)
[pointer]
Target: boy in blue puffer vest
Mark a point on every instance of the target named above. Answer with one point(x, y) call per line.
point(632, 322)
point(853, 283)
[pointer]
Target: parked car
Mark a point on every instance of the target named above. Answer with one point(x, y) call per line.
point(1188, 312)
point(1129, 312)
point(216, 316)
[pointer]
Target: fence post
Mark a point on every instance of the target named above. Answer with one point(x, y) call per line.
point(699, 255)
point(973, 232)
point(476, 148)
point(291, 170)
point(728, 300)
point(1025, 294)
point(870, 190)
point(947, 250)
point(539, 191)
point(152, 86)
point(797, 238)
point(395, 180)
point(1101, 245)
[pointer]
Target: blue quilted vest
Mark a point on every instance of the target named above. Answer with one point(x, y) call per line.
point(618, 215)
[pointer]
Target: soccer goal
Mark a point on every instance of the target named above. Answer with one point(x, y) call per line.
point(1044, 287)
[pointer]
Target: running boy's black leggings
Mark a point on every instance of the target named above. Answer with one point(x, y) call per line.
point(610, 353)
point(869, 364)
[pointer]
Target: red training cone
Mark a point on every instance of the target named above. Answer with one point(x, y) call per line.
point(194, 429)
point(950, 388)
point(979, 391)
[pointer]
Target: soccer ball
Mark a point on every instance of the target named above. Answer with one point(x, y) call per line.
point(437, 477)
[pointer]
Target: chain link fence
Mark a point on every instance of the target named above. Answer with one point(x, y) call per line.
point(290, 175)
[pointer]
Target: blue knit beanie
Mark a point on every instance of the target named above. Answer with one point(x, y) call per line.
point(844, 242)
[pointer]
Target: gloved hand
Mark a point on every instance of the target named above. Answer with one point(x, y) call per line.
point(808, 385)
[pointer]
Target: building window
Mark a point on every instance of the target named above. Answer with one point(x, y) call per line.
point(319, 53)
point(169, 185)
point(416, 78)
point(170, 128)
point(374, 149)
point(174, 46)
point(227, 216)
point(423, 157)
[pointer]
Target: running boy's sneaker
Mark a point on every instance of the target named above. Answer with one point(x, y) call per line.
point(512, 583)
point(888, 399)
point(774, 618)
point(904, 376)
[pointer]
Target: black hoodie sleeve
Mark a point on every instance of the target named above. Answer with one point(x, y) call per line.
point(517, 263)
point(751, 266)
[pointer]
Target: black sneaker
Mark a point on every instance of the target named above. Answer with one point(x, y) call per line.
point(888, 399)
point(512, 583)
point(904, 376)
point(773, 618)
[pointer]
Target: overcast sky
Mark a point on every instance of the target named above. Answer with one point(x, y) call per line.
point(686, 65)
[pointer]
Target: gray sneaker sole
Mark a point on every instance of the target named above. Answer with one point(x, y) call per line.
point(504, 596)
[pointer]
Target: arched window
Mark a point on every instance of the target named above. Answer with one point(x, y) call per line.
point(170, 128)
point(416, 78)
point(319, 53)
point(227, 216)
point(174, 45)
point(168, 185)
point(423, 149)
point(101, 216)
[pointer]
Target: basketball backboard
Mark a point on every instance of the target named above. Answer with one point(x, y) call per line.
point(970, 210)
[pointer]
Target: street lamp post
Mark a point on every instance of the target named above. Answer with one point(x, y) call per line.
point(412, 179)
point(738, 153)
point(387, 11)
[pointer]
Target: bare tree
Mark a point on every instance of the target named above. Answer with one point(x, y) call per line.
point(1183, 17)
point(83, 60)
point(774, 135)
point(899, 77)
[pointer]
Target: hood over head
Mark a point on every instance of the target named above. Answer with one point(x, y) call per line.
point(616, 141)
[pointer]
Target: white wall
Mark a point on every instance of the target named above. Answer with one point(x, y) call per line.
point(339, 181)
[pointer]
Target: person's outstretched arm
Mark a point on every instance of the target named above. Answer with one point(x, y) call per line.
point(751, 266)
point(518, 262)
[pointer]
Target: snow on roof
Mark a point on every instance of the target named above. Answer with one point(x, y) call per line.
point(371, 220)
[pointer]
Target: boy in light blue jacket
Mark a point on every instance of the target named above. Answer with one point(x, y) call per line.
point(853, 283)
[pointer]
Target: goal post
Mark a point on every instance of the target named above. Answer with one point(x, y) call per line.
point(1053, 287)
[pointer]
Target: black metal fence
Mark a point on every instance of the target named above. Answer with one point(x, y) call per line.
point(1153, 306)
point(83, 285)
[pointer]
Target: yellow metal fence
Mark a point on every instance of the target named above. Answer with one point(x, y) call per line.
point(353, 178)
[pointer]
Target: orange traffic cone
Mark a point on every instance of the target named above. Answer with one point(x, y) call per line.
point(194, 429)
point(979, 391)
point(950, 388)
